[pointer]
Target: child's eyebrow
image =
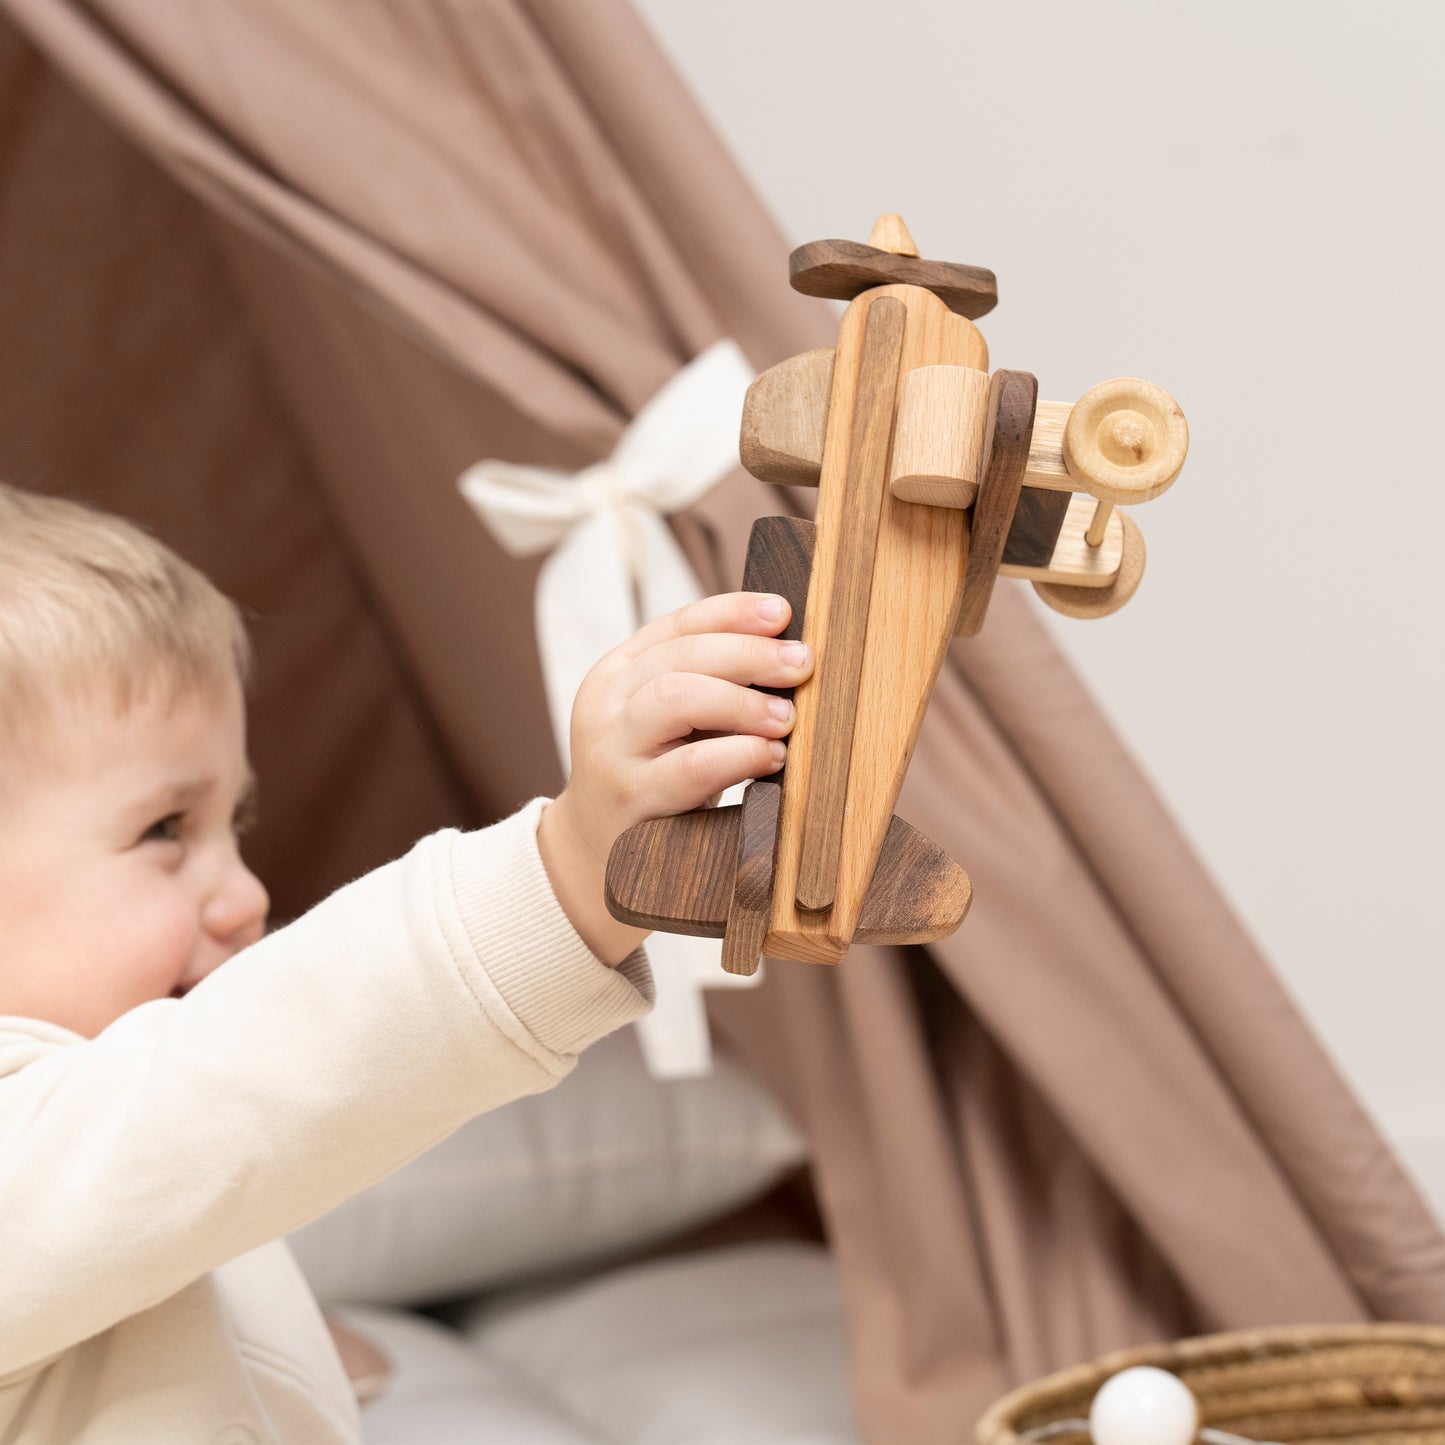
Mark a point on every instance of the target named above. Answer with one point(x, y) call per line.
point(185, 793)
point(179, 796)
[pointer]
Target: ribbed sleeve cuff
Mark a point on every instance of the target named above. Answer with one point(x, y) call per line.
point(524, 942)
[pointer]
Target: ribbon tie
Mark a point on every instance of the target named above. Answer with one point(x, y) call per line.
point(614, 565)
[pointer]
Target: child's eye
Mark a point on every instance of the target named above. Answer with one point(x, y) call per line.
point(164, 830)
point(244, 818)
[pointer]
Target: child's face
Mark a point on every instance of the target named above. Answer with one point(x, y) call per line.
point(120, 880)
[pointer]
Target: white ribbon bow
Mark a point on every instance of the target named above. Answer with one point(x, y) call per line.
point(615, 565)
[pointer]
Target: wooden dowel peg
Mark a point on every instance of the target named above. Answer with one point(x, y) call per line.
point(1100, 523)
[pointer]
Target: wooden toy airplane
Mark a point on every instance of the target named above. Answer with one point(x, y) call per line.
point(933, 480)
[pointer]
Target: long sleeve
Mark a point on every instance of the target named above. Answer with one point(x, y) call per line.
point(193, 1130)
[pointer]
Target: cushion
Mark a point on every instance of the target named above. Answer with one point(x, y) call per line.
point(743, 1343)
point(443, 1392)
point(727, 1345)
point(608, 1162)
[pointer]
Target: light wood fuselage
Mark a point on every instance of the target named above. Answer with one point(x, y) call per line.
point(910, 575)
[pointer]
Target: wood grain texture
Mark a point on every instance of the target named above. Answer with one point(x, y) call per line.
point(874, 387)
point(938, 437)
point(845, 269)
point(1073, 562)
point(1046, 469)
point(917, 893)
point(1010, 424)
point(785, 414)
point(676, 873)
point(1091, 602)
point(918, 576)
point(1125, 440)
point(1035, 527)
point(751, 904)
point(1116, 459)
point(1128, 440)
point(1099, 523)
point(780, 559)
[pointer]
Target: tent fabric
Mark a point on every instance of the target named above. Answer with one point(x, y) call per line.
point(273, 275)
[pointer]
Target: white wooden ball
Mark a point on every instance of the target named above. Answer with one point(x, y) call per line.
point(1144, 1406)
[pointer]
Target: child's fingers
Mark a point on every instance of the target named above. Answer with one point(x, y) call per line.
point(732, 656)
point(757, 612)
point(674, 704)
point(689, 775)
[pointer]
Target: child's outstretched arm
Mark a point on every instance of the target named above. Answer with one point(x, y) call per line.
point(463, 975)
point(660, 725)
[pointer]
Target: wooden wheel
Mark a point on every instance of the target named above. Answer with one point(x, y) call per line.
point(1125, 440)
point(1089, 602)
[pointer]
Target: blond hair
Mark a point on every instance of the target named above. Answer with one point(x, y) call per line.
point(90, 601)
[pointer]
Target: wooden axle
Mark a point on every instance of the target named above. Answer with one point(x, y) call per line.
point(1123, 442)
point(1120, 453)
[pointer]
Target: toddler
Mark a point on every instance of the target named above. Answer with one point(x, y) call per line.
point(164, 1121)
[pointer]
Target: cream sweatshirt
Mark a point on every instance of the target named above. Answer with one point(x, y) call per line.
point(147, 1176)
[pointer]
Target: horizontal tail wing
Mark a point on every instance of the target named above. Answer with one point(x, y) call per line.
point(677, 875)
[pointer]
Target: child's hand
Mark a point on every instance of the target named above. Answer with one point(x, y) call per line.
point(660, 725)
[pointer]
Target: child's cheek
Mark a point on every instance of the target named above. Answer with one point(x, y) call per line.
point(158, 947)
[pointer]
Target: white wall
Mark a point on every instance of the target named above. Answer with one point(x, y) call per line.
point(1243, 203)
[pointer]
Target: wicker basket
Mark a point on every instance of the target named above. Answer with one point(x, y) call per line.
point(1332, 1384)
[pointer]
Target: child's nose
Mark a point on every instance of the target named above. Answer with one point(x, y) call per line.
point(235, 913)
